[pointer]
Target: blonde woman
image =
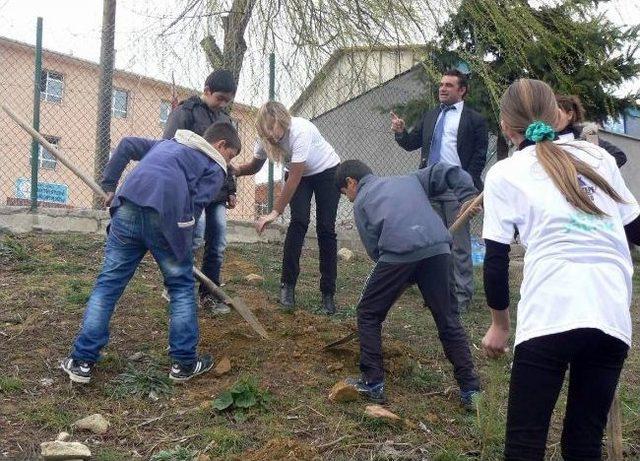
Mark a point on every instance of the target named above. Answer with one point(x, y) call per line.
point(310, 163)
point(572, 209)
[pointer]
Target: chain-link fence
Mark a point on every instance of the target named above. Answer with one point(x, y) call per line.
point(349, 101)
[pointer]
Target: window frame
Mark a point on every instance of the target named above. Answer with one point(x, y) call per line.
point(48, 163)
point(119, 113)
point(45, 78)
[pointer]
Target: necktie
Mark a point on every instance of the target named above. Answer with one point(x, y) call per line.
point(436, 139)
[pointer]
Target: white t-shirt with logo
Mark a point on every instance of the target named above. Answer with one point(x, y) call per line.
point(303, 143)
point(577, 267)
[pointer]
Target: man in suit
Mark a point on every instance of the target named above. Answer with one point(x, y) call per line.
point(456, 134)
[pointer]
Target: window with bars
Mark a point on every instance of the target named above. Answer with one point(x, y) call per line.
point(51, 86)
point(119, 103)
point(46, 160)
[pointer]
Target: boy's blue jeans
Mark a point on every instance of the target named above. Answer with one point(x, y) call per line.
point(215, 242)
point(134, 230)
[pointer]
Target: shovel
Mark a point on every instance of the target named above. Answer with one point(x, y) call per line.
point(458, 223)
point(240, 307)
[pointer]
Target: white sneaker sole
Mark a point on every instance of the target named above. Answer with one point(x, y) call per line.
point(75, 378)
point(182, 380)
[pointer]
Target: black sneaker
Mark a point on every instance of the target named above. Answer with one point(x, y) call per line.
point(373, 392)
point(181, 373)
point(469, 399)
point(78, 370)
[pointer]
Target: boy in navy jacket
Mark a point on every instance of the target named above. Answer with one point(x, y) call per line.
point(409, 243)
point(155, 210)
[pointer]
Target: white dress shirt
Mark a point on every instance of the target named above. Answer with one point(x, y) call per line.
point(449, 146)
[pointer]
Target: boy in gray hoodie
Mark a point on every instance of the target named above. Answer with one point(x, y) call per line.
point(409, 244)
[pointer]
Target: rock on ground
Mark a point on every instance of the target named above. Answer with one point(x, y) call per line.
point(343, 392)
point(223, 367)
point(345, 254)
point(254, 279)
point(64, 451)
point(63, 437)
point(379, 412)
point(95, 423)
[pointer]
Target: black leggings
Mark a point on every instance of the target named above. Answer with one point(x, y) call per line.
point(323, 186)
point(594, 360)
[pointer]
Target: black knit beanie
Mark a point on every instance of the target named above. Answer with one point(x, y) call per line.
point(221, 80)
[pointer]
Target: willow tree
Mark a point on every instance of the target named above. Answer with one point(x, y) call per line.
point(303, 33)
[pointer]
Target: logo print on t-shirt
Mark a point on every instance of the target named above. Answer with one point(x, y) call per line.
point(588, 189)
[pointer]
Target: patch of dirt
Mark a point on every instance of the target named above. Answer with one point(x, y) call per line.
point(282, 449)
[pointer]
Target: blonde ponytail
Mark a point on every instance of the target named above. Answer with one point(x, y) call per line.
point(529, 107)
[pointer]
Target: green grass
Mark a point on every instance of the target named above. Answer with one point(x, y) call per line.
point(177, 454)
point(10, 384)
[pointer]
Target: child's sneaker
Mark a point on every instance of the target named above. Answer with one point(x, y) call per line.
point(374, 392)
point(181, 373)
point(78, 370)
point(469, 399)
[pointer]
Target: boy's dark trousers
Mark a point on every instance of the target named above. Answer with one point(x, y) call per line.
point(385, 284)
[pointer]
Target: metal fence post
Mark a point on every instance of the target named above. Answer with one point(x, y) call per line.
point(272, 95)
point(36, 115)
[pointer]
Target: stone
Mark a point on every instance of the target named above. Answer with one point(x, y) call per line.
point(334, 367)
point(343, 392)
point(95, 423)
point(64, 451)
point(223, 367)
point(254, 279)
point(63, 437)
point(379, 412)
point(136, 356)
point(46, 382)
point(345, 254)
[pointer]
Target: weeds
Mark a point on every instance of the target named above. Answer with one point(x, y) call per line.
point(140, 383)
point(245, 393)
point(177, 454)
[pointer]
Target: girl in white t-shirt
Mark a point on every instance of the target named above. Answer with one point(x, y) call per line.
point(310, 163)
point(572, 209)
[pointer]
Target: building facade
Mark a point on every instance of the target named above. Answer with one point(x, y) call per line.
point(68, 91)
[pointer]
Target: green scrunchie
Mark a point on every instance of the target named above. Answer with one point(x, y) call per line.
point(539, 131)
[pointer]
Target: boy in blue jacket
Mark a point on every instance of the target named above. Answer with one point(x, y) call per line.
point(155, 210)
point(409, 243)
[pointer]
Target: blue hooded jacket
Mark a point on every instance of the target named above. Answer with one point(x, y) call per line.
point(176, 177)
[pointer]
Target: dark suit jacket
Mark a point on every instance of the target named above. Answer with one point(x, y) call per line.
point(473, 140)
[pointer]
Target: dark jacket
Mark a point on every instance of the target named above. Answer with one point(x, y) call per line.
point(395, 219)
point(473, 140)
point(614, 151)
point(174, 179)
point(194, 115)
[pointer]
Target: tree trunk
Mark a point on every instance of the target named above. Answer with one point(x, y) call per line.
point(234, 47)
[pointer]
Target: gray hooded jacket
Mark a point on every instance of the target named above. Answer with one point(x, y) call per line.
point(395, 219)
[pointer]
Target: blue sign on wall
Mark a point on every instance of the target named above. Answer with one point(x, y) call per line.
point(47, 191)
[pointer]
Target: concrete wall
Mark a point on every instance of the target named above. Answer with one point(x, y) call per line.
point(19, 220)
point(631, 170)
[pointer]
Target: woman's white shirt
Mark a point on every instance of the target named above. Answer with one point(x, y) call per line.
point(303, 142)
